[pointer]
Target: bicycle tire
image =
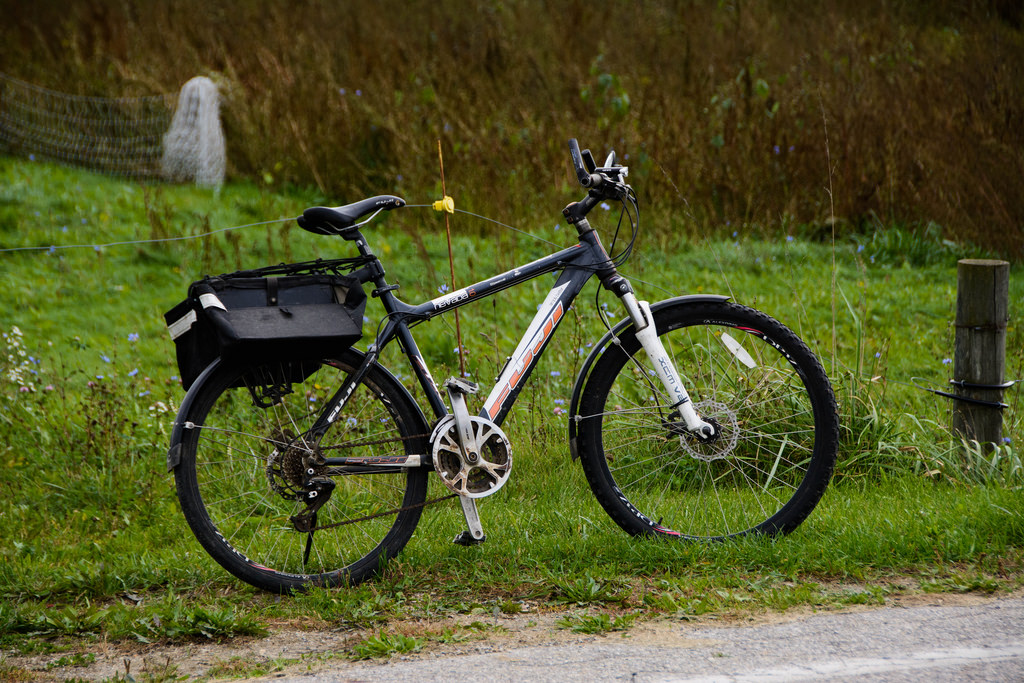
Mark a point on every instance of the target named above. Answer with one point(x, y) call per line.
point(776, 410)
point(239, 474)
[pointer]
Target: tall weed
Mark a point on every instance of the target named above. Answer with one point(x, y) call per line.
point(720, 109)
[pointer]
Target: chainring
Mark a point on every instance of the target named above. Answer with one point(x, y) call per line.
point(473, 480)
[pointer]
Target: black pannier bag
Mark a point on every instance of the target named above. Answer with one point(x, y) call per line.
point(248, 317)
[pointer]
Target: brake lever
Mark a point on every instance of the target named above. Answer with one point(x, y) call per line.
point(621, 171)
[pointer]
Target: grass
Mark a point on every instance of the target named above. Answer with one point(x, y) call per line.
point(94, 548)
point(596, 623)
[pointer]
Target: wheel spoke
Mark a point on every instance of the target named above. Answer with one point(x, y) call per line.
point(247, 471)
point(766, 391)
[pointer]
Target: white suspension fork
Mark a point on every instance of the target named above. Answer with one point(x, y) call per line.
point(647, 334)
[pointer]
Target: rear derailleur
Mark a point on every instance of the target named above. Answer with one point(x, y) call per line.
point(316, 494)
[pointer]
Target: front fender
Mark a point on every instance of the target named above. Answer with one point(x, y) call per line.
point(612, 337)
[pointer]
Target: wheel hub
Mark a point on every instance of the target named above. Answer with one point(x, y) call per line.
point(720, 444)
point(292, 465)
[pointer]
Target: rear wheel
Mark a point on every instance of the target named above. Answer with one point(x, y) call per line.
point(252, 484)
point(746, 372)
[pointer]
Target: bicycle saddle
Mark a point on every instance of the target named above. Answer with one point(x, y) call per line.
point(325, 220)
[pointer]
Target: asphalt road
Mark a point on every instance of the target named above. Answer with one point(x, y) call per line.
point(980, 642)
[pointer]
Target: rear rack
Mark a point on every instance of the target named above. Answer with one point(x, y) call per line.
point(339, 266)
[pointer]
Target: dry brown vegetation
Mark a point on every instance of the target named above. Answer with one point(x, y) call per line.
point(732, 113)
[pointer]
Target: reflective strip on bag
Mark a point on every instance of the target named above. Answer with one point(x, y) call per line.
point(211, 301)
point(182, 325)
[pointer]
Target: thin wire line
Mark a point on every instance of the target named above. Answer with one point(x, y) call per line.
point(80, 98)
point(54, 247)
point(509, 227)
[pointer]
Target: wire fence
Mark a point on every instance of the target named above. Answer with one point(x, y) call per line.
point(117, 136)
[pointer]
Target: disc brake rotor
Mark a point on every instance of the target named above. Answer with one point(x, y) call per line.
point(728, 432)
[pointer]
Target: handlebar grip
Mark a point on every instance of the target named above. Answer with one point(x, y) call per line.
point(586, 178)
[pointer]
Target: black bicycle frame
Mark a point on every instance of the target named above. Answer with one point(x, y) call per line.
point(577, 265)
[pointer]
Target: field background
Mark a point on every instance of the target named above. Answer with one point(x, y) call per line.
point(850, 237)
point(732, 113)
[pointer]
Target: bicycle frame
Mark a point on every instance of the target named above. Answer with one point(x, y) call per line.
point(260, 476)
point(577, 264)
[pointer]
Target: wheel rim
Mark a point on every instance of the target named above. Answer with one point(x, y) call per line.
point(248, 461)
point(740, 481)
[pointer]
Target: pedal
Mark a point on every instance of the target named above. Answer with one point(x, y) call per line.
point(466, 539)
point(461, 386)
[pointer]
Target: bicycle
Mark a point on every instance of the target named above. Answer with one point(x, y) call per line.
point(294, 479)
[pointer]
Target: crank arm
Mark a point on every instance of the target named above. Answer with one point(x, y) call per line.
point(457, 390)
point(475, 534)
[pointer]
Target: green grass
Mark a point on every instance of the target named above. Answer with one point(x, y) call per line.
point(93, 546)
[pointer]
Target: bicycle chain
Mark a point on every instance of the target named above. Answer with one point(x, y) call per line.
point(386, 513)
point(373, 442)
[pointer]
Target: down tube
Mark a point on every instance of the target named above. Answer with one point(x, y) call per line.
point(522, 361)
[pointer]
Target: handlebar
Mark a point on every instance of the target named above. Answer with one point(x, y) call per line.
point(594, 178)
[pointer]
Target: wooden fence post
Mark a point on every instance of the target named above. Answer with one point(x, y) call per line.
point(979, 355)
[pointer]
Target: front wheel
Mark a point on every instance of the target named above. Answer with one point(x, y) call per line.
point(777, 422)
point(282, 510)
